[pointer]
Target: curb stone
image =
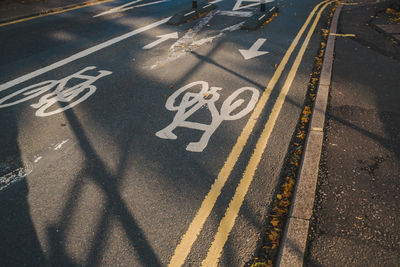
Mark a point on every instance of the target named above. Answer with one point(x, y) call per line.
point(294, 241)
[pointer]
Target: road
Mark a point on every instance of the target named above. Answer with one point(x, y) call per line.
point(129, 142)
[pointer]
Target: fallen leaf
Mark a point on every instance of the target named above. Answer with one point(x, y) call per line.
point(274, 222)
point(284, 203)
point(273, 235)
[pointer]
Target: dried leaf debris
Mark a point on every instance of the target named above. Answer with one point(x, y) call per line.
point(281, 204)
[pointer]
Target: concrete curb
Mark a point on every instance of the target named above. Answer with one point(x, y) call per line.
point(294, 240)
point(52, 10)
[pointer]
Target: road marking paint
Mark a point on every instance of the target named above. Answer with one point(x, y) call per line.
point(56, 92)
point(342, 34)
point(186, 243)
point(148, 4)
point(238, 4)
point(118, 8)
point(187, 44)
point(121, 9)
point(216, 1)
point(56, 11)
point(200, 42)
point(59, 145)
point(162, 38)
point(207, 6)
point(191, 102)
point(13, 177)
point(260, 18)
point(37, 158)
point(177, 49)
point(253, 50)
point(232, 212)
point(191, 33)
point(191, 12)
point(243, 14)
point(79, 55)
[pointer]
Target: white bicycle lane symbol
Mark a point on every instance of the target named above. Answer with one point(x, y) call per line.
point(191, 102)
point(61, 94)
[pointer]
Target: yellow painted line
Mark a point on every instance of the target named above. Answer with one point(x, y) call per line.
point(343, 35)
point(56, 11)
point(232, 212)
point(186, 243)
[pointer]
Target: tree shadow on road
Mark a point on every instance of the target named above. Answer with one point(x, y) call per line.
point(96, 171)
point(19, 244)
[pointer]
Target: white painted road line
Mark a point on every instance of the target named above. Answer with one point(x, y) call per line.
point(243, 14)
point(188, 40)
point(124, 8)
point(147, 4)
point(162, 38)
point(80, 55)
point(216, 1)
point(187, 14)
point(118, 8)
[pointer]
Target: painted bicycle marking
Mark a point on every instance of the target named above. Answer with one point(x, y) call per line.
point(59, 93)
point(191, 102)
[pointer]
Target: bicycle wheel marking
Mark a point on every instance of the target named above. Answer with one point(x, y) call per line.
point(191, 102)
point(56, 91)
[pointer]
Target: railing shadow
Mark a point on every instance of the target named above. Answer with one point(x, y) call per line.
point(116, 207)
point(19, 244)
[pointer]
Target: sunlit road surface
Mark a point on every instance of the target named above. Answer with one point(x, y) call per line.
point(129, 142)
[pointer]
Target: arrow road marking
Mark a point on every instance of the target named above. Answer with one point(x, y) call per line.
point(238, 4)
point(163, 38)
point(253, 50)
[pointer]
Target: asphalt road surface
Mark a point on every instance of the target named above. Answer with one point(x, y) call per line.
point(129, 142)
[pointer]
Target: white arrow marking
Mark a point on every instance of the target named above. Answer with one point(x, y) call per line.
point(238, 4)
point(163, 38)
point(253, 51)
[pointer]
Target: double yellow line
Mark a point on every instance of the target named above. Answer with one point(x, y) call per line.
point(227, 222)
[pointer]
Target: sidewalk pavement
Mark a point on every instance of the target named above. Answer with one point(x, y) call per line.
point(356, 218)
point(17, 9)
